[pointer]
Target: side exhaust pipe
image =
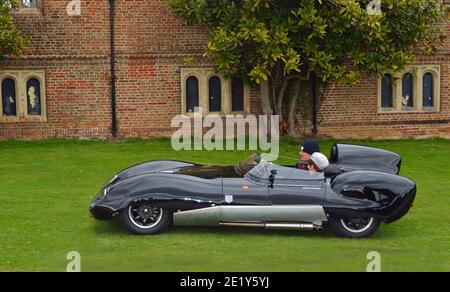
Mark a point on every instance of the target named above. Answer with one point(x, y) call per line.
point(275, 226)
point(246, 215)
point(302, 227)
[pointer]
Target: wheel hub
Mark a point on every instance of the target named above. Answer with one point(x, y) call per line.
point(146, 212)
point(357, 224)
point(145, 215)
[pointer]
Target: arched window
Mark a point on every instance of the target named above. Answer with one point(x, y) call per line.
point(237, 95)
point(29, 3)
point(34, 97)
point(215, 94)
point(387, 90)
point(408, 89)
point(428, 90)
point(192, 94)
point(9, 97)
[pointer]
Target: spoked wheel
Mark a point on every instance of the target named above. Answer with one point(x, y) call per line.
point(143, 218)
point(355, 227)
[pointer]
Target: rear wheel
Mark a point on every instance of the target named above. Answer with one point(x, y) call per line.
point(143, 219)
point(355, 227)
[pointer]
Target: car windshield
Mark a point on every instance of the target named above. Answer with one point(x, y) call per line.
point(248, 164)
point(258, 169)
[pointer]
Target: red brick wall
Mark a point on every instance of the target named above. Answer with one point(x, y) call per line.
point(77, 100)
point(151, 45)
point(352, 112)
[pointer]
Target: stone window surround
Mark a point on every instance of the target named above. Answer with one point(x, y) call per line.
point(20, 8)
point(203, 75)
point(20, 79)
point(417, 72)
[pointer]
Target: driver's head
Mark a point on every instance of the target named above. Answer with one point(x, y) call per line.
point(318, 163)
point(308, 149)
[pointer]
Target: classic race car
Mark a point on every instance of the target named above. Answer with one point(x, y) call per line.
point(360, 189)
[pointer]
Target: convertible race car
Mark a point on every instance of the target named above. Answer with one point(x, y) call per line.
point(360, 189)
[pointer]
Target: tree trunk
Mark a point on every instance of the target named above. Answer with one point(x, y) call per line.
point(292, 114)
point(280, 97)
point(265, 98)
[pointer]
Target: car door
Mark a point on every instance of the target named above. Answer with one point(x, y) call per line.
point(247, 190)
point(297, 187)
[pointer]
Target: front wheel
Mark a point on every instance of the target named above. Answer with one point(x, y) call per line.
point(144, 219)
point(355, 227)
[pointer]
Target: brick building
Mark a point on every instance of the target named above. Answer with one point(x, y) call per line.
point(62, 87)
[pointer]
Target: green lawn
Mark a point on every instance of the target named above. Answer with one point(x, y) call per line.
point(45, 189)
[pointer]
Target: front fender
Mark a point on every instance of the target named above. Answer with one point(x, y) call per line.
point(160, 187)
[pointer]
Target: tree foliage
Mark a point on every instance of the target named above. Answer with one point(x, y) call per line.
point(11, 41)
point(337, 39)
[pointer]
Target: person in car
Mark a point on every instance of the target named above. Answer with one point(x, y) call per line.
point(306, 151)
point(318, 162)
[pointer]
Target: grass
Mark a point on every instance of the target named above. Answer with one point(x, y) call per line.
point(45, 189)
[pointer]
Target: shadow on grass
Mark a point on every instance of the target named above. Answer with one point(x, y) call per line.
point(114, 227)
point(236, 231)
point(108, 227)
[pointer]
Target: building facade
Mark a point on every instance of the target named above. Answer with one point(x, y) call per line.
point(63, 88)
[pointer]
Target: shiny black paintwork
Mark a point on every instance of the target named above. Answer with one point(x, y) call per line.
point(373, 194)
point(178, 186)
point(351, 157)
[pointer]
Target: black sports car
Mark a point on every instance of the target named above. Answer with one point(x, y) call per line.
point(360, 189)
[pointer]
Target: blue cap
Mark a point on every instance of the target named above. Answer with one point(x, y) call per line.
point(311, 146)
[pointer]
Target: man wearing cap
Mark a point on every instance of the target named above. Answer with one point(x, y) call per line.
point(306, 151)
point(318, 163)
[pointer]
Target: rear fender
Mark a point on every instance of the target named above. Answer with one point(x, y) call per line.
point(367, 193)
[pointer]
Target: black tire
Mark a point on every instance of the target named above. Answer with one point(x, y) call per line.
point(144, 219)
point(355, 227)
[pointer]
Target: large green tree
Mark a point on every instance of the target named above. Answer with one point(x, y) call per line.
point(11, 41)
point(271, 42)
